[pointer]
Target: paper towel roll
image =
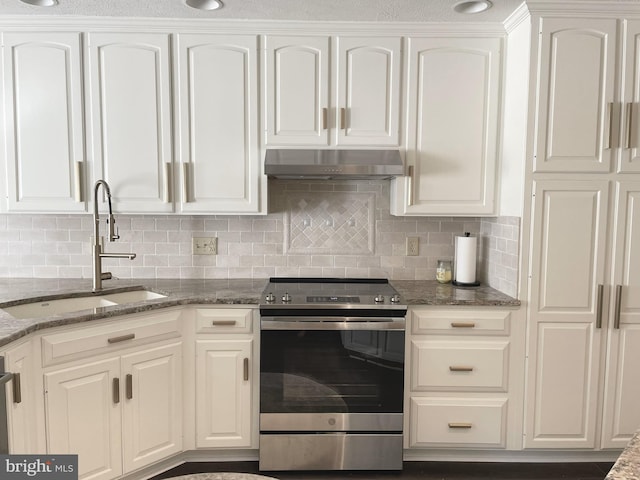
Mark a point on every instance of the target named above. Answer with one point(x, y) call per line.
point(465, 269)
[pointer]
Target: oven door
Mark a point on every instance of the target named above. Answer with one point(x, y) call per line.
point(331, 375)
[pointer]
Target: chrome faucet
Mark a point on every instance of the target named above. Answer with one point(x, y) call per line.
point(98, 254)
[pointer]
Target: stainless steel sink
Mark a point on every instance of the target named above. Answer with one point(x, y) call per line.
point(74, 304)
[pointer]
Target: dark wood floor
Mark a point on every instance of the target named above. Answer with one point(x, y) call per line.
point(421, 471)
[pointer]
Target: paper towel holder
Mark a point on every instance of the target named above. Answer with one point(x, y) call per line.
point(455, 281)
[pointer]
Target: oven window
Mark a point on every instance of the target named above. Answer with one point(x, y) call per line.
point(310, 371)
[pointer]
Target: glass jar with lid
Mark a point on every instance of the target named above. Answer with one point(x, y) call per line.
point(443, 271)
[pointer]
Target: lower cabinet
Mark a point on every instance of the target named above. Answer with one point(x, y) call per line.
point(119, 411)
point(225, 378)
point(460, 370)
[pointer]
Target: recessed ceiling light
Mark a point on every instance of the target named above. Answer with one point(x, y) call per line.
point(204, 4)
point(41, 3)
point(474, 6)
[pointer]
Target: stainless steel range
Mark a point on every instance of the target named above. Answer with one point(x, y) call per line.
point(331, 374)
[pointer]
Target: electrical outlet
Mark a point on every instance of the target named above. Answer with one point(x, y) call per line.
point(413, 246)
point(205, 245)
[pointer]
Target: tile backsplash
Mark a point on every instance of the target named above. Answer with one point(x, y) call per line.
point(314, 228)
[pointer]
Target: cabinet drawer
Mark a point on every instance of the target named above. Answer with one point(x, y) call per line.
point(124, 332)
point(223, 320)
point(456, 422)
point(461, 322)
point(455, 365)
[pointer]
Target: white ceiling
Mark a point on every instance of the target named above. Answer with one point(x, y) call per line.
point(309, 10)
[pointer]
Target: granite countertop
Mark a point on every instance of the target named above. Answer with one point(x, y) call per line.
point(627, 467)
point(14, 291)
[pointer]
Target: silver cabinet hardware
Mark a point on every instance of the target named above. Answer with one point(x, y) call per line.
point(599, 306)
point(122, 338)
point(78, 183)
point(410, 173)
point(17, 388)
point(609, 133)
point(463, 324)
point(325, 118)
point(343, 119)
point(128, 386)
point(186, 182)
point(455, 368)
point(222, 323)
point(618, 305)
point(167, 194)
point(460, 425)
point(116, 390)
point(629, 117)
point(245, 365)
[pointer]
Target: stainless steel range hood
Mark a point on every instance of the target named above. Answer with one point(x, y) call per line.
point(333, 164)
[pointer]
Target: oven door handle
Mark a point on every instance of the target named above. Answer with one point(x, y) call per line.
point(331, 323)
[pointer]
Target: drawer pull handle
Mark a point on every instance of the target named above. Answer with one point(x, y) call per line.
point(460, 425)
point(122, 338)
point(223, 323)
point(454, 368)
point(463, 324)
point(17, 388)
point(116, 390)
point(129, 386)
point(245, 365)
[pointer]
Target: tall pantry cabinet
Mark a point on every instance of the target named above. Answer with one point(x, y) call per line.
point(584, 292)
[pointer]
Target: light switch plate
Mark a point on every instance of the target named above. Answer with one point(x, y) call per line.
point(205, 245)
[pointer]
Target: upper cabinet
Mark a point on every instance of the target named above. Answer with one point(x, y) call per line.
point(588, 97)
point(217, 102)
point(130, 118)
point(43, 122)
point(337, 91)
point(452, 110)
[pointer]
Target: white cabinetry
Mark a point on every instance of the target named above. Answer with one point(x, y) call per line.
point(119, 406)
point(130, 133)
point(459, 377)
point(328, 91)
point(582, 336)
point(217, 101)
point(44, 122)
point(453, 111)
point(226, 406)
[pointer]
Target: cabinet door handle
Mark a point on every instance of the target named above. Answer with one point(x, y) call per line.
point(410, 173)
point(186, 182)
point(116, 390)
point(343, 118)
point(618, 305)
point(325, 118)
point(460, 425)
point(456, 368)
point(128, 387)
point(245, 368)
point(222, 323)
point(17, 388)
point(78, 183)
point(121, 338)
point(609, 120)
point(168, 182)
point(628, 117)
point(599, 306)
point(463, 324)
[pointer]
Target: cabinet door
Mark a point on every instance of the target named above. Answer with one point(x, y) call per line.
point(297, 91)
point(83, 417)
point(630, 142)
point(454, 87)
point(218, 123)
point(152, 405)
point(576, 92)
point(130, 133)
point(368, 91)
point(622, 389)
point(565, 337)
point(223, 393)
point(44, 122)
point(22, 410)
